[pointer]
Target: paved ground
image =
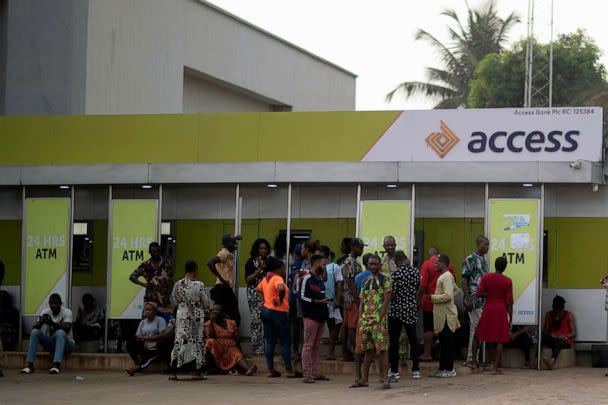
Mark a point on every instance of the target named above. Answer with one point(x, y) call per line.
point(577, 385)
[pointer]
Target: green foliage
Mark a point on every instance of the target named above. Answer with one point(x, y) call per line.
point(578, 74)
point(485, 32)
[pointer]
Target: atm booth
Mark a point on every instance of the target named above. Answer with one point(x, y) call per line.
point(81, 198)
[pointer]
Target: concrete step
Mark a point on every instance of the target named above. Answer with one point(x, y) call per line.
point(120, 361)
point(74, 361)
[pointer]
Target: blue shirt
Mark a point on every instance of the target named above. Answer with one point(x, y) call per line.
point(360, 278)
point(333, 275)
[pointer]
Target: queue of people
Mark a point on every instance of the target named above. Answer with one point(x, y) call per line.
point(369, 304)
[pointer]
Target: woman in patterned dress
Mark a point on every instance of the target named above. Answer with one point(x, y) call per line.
point(254, 273)
point(190, 298)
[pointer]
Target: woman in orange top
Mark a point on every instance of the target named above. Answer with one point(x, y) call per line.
point(222, 343)
point(559, 330)
point(275, 316)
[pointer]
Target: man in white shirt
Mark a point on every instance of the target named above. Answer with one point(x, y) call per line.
point(53, 331)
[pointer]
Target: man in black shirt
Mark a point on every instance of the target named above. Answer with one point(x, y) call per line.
point(315, 314)
point(403, 313)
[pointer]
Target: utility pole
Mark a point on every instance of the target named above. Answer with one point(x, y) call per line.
point(538, 81)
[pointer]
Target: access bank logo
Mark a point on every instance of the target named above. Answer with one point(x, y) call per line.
point(443, 141)
point(490, 135)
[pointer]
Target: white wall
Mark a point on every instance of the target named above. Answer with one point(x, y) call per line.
point(137, 51)
point(222, 47)
point(450, 201)
point(46, 48)
point(134, 57)
point(91, 203)
point(587, 306)
point(576, 201)
point(202, 95)
point(432, 201)
point(198, 202)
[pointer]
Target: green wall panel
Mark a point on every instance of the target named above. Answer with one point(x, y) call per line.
point(10, 250)
point(329, 232)
point(576, 252)
point(199, 240)
point(452, 236)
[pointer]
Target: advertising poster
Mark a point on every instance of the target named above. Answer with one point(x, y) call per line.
point(514, 234)
point(47, 234)
point(134, 227)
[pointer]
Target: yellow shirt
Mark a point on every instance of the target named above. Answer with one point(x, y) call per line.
point(444, 308)
point(225, 267)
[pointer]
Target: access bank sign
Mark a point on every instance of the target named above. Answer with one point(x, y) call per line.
point(499, 135)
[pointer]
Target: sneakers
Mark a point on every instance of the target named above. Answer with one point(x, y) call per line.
point(448, 374)
point(416, 375)
point(393, 377)
point(442, 374)
point(54, 370)
point(26, 370)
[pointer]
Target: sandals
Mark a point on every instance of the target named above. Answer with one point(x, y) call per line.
point(385, 386)
point(251, 370)
point(358, 385)
point(308, 381)
point(321, 378)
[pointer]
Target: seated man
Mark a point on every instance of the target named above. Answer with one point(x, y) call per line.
point(53, 331)
point(559, 330)
point(149, 343)
point(521, 339)
point(222, 344)
point(88, 325)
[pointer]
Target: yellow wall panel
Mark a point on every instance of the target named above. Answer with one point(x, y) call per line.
point(191, 138)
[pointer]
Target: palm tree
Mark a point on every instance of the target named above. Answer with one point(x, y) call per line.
point(485, 32)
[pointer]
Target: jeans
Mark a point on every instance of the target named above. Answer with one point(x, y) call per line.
point(556, 345)
point(394, 331)
point(447, 350)
point(474, 317)
point(59, 343)
point(313, 331)
point(276, 325)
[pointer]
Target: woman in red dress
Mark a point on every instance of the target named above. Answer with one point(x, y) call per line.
point(497, 315)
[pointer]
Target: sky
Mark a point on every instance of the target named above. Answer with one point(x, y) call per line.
point(375, 39)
